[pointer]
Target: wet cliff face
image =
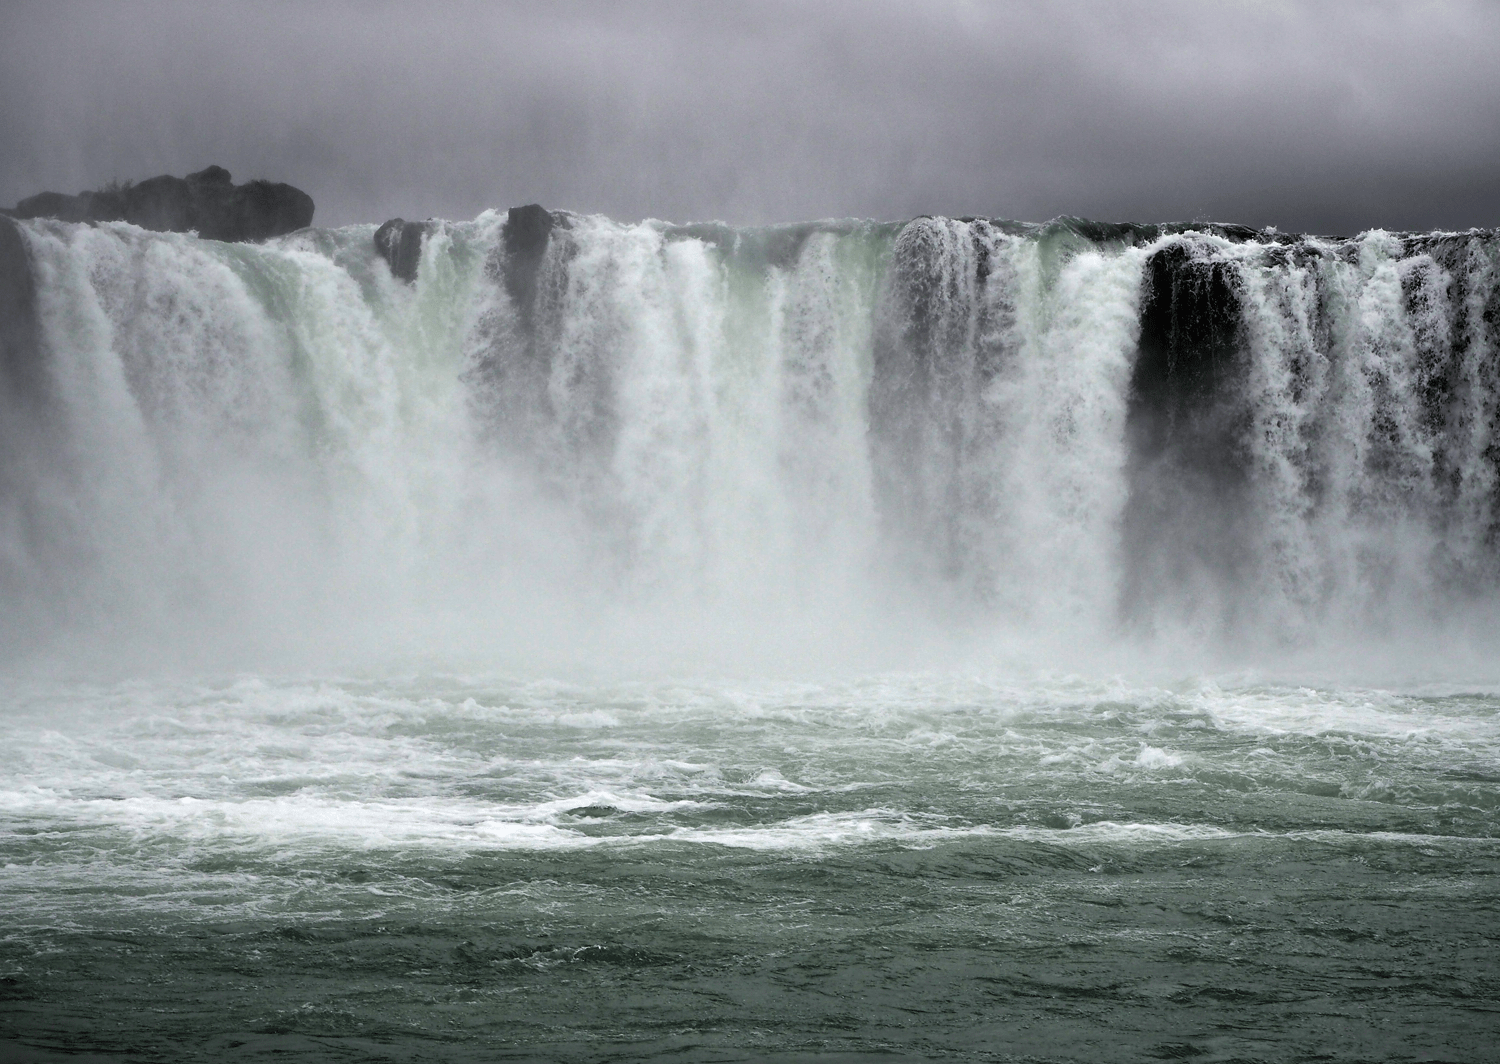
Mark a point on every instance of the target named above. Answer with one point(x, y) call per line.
point(207, 203)
point(1183, 525)
point(1271, 432)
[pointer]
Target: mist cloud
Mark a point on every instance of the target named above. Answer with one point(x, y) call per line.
point(1327, 117)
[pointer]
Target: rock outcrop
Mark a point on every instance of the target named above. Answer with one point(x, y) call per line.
point(208, 203)
point(399, 242)
point(524, 240)
point(525, 236)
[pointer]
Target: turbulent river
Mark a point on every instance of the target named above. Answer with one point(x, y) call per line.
point(953, 639)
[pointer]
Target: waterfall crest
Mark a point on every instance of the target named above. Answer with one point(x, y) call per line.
point(1075, 428)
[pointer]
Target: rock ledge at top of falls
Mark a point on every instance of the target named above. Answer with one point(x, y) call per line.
point(399, 242)
point(524, 238)
point(208, 203)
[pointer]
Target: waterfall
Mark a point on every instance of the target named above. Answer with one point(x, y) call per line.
point(1323, 454)
point(1074, 428)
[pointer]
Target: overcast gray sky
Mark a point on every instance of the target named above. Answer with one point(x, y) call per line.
point(1325, 116)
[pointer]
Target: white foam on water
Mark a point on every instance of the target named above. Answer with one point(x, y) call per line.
point(263, 766)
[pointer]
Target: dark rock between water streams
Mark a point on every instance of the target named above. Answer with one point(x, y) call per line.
point(399, 242)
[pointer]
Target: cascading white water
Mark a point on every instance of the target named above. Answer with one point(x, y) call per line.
point(1368, 407)
point(711, 424)
point(1012, 447)
point(283, 444)
point(250, 432)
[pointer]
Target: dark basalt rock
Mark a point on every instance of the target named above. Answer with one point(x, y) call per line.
point(208, 203)
point(54, 205)
point(259, 210)
point(399, 242)
point(1190, 325)
point(524, 237)
point(1187, 425)
point(527, 229)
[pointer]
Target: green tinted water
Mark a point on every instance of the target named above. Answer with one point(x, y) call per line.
point(903, 867)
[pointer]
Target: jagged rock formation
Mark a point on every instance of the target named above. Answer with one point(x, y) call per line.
point(207, 202)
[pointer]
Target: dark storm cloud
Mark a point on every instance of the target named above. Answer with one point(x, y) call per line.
point(1325, 116)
